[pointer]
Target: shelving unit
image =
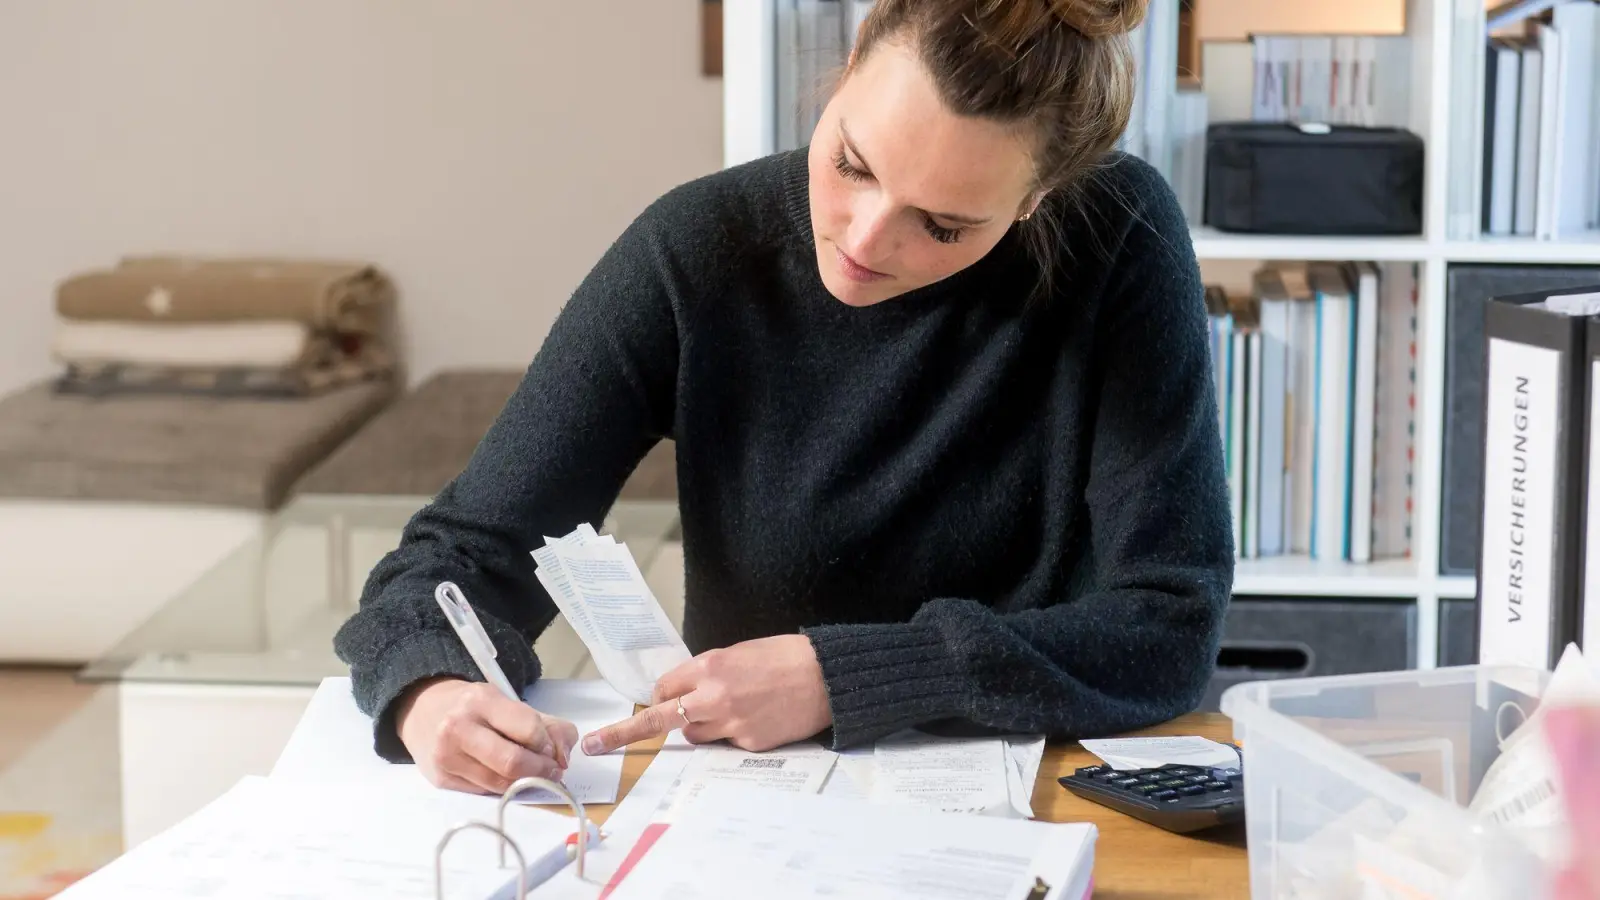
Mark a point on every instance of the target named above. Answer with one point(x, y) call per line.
point(749, 132)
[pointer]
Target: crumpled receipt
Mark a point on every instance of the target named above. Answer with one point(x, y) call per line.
point(597, 586)
point(1521, 791)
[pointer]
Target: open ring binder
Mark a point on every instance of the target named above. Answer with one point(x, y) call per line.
point(499, 828)
point(438, 857)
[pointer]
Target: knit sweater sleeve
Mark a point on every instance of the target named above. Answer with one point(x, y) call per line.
point(597, 395)
point(1138, 644)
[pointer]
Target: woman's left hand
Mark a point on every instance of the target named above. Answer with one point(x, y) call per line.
point(756, 694)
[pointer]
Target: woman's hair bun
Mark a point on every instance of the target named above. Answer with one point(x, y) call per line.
point(1100, 18)
point(1017, 24)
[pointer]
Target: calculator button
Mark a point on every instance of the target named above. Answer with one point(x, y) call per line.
point(1126, 782)
point(1199, 779)
point(1153, 777)
point(1164, 795)
point(1191, 790)
point(1090, 771)
point(1148, 789)
point(1182, 770)
point(1216, 785)
point(1175, 782)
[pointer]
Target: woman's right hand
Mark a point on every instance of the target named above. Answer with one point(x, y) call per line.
point(467, 736)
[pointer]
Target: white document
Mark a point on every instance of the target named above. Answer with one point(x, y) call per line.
point(841, 786)
point(596, 584)
point(734, 836)
point(797, 768)
point(1025, 755)
point(628, 820)
point(971, 775)
point(852, 775)
point(272, 840)
point(855, 774)
point(1153, 752)
point(333, 741)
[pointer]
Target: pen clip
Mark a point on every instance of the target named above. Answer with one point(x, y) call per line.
point(459, 611)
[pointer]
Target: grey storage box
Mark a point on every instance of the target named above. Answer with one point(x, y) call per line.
point(1458, 638)
point(1270, 638)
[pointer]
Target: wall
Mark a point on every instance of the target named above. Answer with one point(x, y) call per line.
point(484, 152)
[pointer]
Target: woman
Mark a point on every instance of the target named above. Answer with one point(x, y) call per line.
point(947, 439)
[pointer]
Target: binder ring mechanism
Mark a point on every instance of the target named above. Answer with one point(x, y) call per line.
point(499, 829)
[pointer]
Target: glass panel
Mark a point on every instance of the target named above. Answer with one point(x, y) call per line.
point(267, 613)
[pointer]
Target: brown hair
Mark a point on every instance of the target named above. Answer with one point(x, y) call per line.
point(1061, 68)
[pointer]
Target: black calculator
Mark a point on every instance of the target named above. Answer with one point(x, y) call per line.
point(1177, 798)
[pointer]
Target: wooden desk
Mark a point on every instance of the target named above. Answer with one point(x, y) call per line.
point(1133, 861)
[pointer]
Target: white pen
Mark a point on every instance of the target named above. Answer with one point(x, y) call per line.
point(470, 630)
point(472, 633)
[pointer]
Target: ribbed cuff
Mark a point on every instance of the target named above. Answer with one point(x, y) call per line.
point(883, 678)
point(426, 654)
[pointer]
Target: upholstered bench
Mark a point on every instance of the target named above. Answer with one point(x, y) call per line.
point(424, 439)
point(110, 506)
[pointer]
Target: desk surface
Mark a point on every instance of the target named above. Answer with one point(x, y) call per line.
point(1132, 859)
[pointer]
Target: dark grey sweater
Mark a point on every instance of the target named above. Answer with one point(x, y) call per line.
point(985, 512)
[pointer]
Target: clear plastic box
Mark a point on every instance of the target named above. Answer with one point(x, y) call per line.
point(1358, 786)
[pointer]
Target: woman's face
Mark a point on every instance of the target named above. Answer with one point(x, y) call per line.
point(903, 191)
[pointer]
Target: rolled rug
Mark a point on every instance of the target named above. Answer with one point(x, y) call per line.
point(263, 344)
point(327, 295)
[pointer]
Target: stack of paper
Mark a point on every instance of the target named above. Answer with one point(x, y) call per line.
point(598, 587)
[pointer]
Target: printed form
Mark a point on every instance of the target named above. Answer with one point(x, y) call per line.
point(797, 768)
point(806, 846)
point(948, 774)
point(917, 761)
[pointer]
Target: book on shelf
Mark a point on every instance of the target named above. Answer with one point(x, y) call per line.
point(1190, 117)
point(1336, 79)
point(1315, 379)
point(814, 39)
point(1528, 125)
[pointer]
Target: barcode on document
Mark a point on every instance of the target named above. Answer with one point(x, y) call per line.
point(762, 763)
point(1523, 802)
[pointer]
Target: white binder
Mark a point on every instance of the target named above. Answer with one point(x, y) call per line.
point(267, 838)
